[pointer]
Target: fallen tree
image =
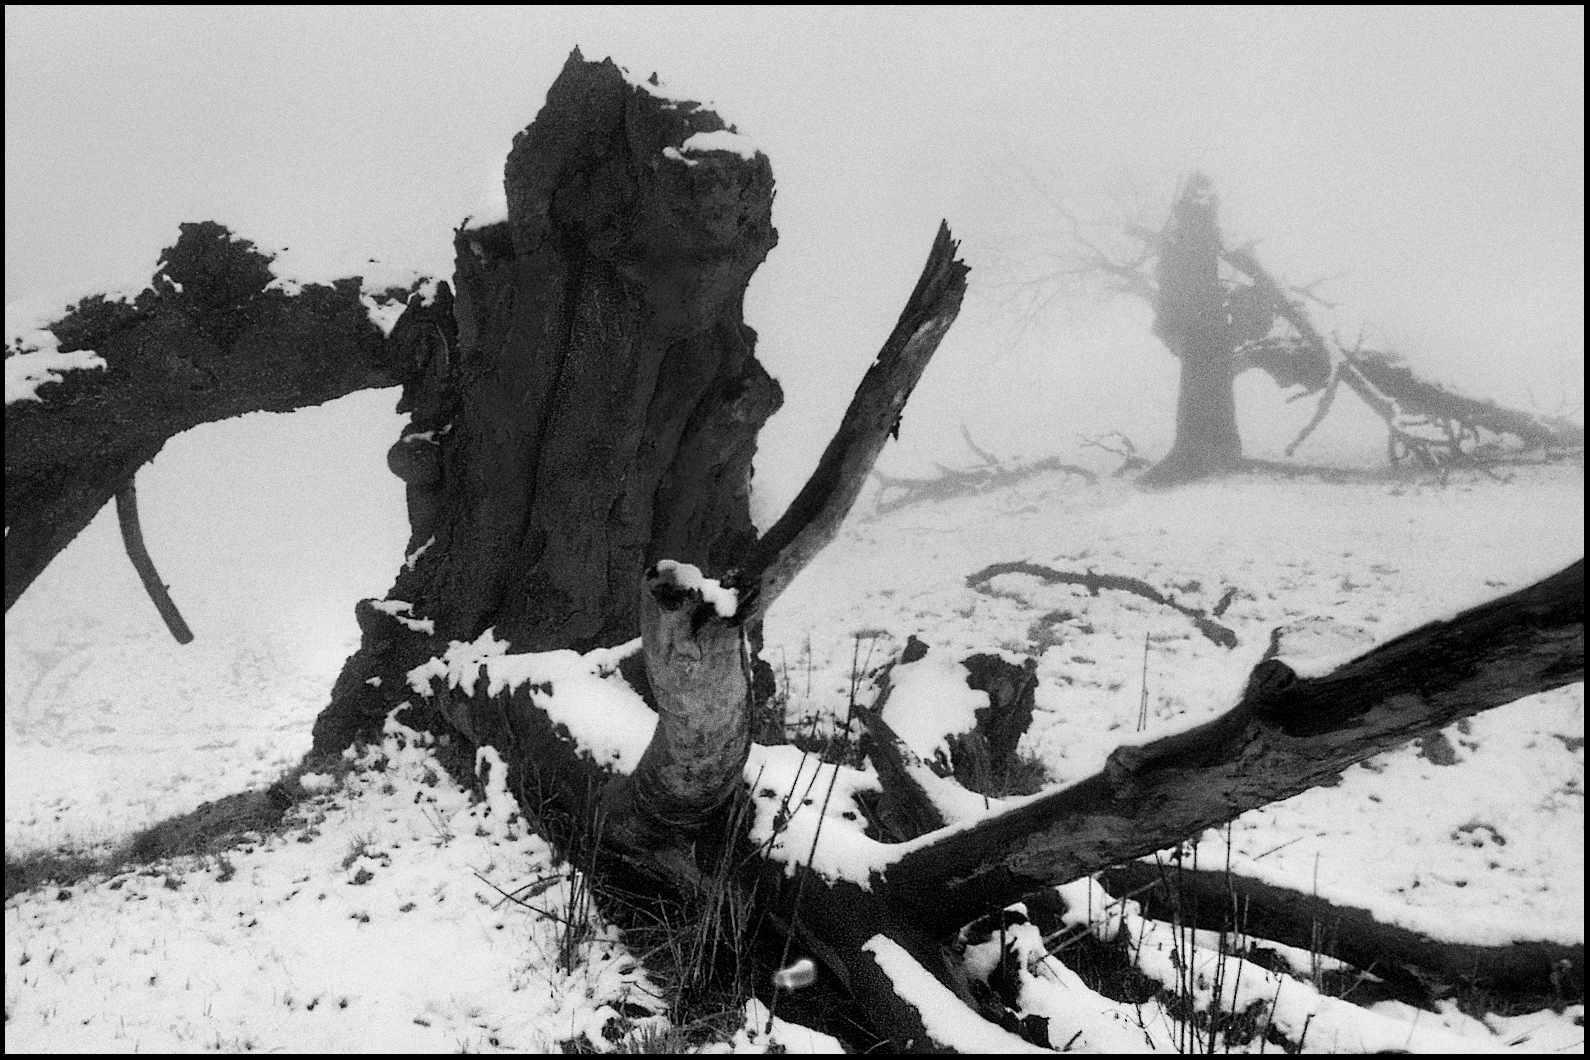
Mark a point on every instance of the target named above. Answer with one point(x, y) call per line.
point(583, 590)
point(1417, 967)
point(1221, 323)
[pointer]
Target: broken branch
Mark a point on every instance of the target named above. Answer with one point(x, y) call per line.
point(132, 538)
point(873, 417)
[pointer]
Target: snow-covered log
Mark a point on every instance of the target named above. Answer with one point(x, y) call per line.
point(1532, 973)
point(1289, 732)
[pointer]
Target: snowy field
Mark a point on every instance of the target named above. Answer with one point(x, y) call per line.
point(375, 922)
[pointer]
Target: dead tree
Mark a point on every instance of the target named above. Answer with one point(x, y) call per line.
point(1254, 321)
point(1190, 308)
point(583, 416)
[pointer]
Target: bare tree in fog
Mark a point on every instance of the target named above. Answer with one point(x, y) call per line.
point(1221, 312)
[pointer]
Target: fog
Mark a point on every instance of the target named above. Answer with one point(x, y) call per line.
point(1427, 162)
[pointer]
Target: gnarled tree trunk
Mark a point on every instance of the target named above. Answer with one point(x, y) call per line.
point(1192, 322)
point(592, 402)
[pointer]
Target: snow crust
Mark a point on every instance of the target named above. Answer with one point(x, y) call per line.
point(930, 702)
point(374, 923)
point(38, 359)
point(26, 372)
point(607, 719)
point(296, 269)
point(807, 814)
point(675, 90)
point(721, 140)
point(403, 611)
point(947, 1019)
point(688, 576)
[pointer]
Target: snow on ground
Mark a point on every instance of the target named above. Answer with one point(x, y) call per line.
point(374, 924)
point(110, 726)
point(1476, 838)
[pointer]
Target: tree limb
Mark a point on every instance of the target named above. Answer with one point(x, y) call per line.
point(211, 338)
point(1094, 582)
point(132, 538)
point(1287, 734)
point(873, 417)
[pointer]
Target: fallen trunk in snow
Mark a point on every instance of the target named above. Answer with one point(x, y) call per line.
point(1287, 734)
point(1425, 420)
point(1532, 974)
point(877, 877)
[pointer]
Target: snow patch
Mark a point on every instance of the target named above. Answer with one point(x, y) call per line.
point(607, 719)
point(688, 576)
point(931, 702)
point(807, 814)
point(764, 1032)
point(38, 359)
point(403, 611)
point(26, 372)
point(721, 140)
point(946, 1018)
point(414, 557)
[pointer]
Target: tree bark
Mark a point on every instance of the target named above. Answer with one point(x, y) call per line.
point(595, 404)
point(205, 342)
point(1192, 322)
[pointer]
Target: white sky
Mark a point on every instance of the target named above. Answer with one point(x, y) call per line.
point(1431, 159)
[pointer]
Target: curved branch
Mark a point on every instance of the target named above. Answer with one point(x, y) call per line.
point(1287, 734)
point(1094, 582)
point(132, 538)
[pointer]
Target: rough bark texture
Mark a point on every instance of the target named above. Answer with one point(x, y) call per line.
point(1192, 321)
point(205, 342)
point(1533, 973)
point(594, 401)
